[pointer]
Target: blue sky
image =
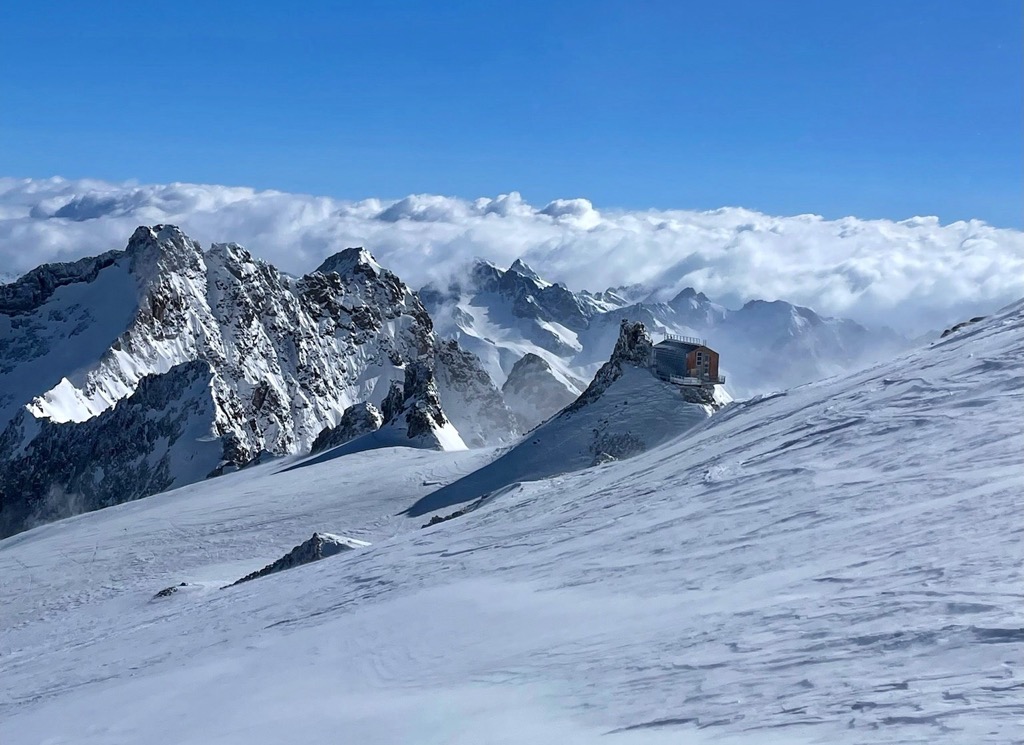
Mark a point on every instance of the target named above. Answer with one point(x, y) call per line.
point(878, 109)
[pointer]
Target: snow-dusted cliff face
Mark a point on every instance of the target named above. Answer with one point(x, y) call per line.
point(413, 415)
point(471, 401)
point(410, 416)
point(158, 438)
point(500, 315)
point(287, 356)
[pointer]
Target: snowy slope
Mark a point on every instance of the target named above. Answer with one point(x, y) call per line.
point(92, 301)
point(839, 563)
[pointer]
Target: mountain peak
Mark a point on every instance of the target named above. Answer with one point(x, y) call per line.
point(159, 236)
point(521, 267)
point(688, 293)
point(165, 245)
point(530, 361)
point(350, 261)
point(633, 345)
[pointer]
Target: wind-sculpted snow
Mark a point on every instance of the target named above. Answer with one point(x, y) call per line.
point(836, 564)
point(290, 355)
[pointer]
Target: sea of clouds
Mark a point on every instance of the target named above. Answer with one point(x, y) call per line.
point(914, 275)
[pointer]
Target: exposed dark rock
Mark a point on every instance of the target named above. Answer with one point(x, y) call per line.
point(358, 420)
point(49, 470)
point(481, 416)
point(319, 546)
point(168, 591)
point(280, 353)
point(393, 402)
point(33, 288)
point(633, 347)
point(962, 324)
point(422, 406)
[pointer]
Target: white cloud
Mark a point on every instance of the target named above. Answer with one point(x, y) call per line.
point(914, 274)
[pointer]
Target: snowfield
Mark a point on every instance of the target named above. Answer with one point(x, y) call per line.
point(838, 563)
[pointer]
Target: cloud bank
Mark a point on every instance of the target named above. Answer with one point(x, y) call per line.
point(913, 275)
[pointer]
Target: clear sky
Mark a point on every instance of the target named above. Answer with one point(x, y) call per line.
point(872, 108)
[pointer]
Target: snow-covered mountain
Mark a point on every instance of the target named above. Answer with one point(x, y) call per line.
point(220, 356)
point(839, 563)
point(503, 315)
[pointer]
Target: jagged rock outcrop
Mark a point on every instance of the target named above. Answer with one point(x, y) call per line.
point(412, 417)
point(625, 410)
point(633, 348)
point(421, 409)
point(319, 546)
point(963, 324)
point(288, 355)
point(471, 401)
point(358, 419)
point(417, 419)
point(27, 292)
point(393, 402)
point(533, 391)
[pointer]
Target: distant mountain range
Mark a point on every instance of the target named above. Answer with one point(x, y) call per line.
point(141, 370)
point(501, 315)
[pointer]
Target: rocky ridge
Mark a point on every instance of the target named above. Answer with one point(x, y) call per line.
point(156, 439)
point(412, 411)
